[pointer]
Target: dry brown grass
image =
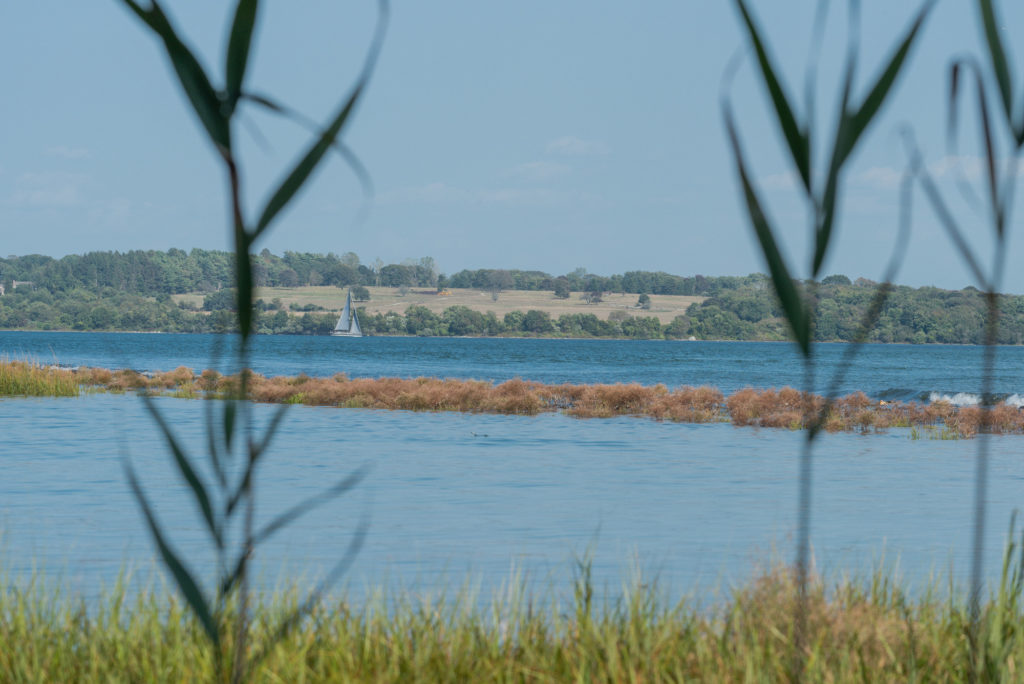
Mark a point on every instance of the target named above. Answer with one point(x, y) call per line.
point(784, 408)
point(689, 405)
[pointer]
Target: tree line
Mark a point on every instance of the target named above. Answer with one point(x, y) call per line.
point(150, 272)
point(198, 270)
point(132, 291)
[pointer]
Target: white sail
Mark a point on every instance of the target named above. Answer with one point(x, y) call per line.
point(344, 320)
point(354, 330)
point(348, 322)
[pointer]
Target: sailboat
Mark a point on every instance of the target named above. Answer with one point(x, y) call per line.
point(348, 323)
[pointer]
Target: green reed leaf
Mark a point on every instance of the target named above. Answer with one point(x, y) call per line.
point(309, 504)
point(244, 294)
point(827, 209)
point(268, 434)
point(852, 125)
point(878, 300)
point(786, 290)
point(256, 451)
point(201, 94)
point(182, 577)
point(353, 161)
point(952, 108)
point(862, 117)
point(304, 168)
point(990, 159)
point(230, 581)
point(953, 126)
point(230, 409)
point(181, 459)
point(238, 48)
point(340, 568)
point(1000, 65)
point(799, 144)
point(946, 219)
point(302, 171)
point(212, 445)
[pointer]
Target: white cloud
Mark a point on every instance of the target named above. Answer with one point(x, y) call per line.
point(49, 189)
point(576, 147)
point(441, 193)
point(950, 167)
point(114, 212)
point(968, 167)
point(786, 180)
point(431, 193)
point(531, 196)
point(67, 152)
point(881, 177)
point(539, 171)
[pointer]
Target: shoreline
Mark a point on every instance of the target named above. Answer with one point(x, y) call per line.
point(515, 337)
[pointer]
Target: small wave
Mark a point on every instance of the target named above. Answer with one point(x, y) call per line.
point(957, 399)
point(972, 399)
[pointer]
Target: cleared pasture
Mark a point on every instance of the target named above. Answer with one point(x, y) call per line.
point(385, 299)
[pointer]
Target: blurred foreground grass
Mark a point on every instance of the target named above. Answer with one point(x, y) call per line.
point(870, 630)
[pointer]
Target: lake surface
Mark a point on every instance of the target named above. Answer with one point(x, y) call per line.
point(453, 496)
point(881, 371)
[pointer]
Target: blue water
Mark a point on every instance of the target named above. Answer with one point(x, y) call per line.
point(453, 496)
point(882, 371)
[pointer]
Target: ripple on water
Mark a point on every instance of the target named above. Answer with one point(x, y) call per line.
point(451, 494)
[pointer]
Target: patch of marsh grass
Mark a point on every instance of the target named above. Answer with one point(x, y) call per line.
point(785, 408)
point(31, 379)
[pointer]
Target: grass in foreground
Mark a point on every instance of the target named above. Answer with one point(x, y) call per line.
point(867, 631)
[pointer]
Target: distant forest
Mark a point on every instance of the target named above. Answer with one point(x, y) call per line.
point(132, 291)
point(176, 272)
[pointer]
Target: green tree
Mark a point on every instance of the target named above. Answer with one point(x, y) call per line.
point(678, 328)
point(419, 320)
point(538, 322)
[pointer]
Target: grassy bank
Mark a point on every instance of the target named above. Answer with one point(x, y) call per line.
point(784, 408)
point(857, 631)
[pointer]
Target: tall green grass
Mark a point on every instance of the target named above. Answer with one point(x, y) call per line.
point(868, 630)
point(30, 379)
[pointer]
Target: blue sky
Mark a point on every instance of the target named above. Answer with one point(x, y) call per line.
point(533, 134)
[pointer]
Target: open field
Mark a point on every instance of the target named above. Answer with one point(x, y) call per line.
point(385, 299)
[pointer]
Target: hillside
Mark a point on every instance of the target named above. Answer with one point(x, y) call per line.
point(384, 300)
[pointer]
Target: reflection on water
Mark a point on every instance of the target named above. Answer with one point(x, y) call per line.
point(454, 496)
